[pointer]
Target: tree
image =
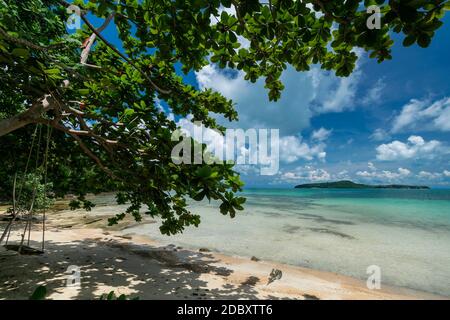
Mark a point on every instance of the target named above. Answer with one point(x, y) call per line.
point(100, 102)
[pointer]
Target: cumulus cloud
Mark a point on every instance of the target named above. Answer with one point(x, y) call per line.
point(293, 148)
point(332, 94)
point(421, 115)
point(250, 150)
point(371, 175)
point(321, 135)
point(434, 176)
point(374, 174)
point(380, 135)
point(416, 147)
point(306, 94)
point(430, 175)
point(290, 114)
point(305, 173)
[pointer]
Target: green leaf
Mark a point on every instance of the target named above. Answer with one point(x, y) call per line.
point(39, 293)
point(52, 71)
point(111, 296)
point(128, 112)
point(199, 196)
point(203, 172)
point(20, 52)
point(423, 40)
point(409, 40)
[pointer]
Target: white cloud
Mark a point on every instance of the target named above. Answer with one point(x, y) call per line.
point(306, 94)
point(305, 173)
point(440, 176)
point(416, 147)
point(380, 135)
point(373, 96)
point(290, 114)
point(344, 174)
point(293, 148)
point(401, 173)
point(333, 94)
point(372, 175)
point(404, 172)
point(420, 115)
point(429, 175)
point(321, 135)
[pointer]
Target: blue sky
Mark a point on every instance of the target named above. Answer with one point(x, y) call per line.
point(386, 123)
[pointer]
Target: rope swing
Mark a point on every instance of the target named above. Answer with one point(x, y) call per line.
point(24, 214)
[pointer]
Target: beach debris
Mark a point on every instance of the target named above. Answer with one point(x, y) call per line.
point(204, 250)
point(274, 275)
point(255, 259)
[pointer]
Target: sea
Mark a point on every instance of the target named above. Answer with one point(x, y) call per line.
point(405, 234)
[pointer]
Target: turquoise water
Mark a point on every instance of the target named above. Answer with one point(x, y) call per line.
point(404, 232)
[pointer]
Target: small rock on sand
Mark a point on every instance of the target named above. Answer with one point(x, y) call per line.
point(204, 250)
point(255, 259)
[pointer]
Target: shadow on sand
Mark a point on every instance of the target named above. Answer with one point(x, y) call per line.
point(143, 271)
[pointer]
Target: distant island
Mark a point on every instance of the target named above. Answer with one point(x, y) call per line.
point(345, 184)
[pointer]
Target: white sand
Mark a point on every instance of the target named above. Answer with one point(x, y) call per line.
point(139, 267)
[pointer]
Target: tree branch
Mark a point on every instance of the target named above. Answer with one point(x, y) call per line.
point(91, 41)
point(90, 26)
point(27, 43)
point(86, 150)
point(31, 115)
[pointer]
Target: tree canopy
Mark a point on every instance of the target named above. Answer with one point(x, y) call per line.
point(99, 102)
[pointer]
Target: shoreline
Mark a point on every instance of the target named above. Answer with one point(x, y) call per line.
point(135, 265)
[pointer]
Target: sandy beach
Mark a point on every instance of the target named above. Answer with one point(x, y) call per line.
point(112, 260)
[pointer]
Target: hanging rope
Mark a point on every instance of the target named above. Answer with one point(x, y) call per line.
point(17, 210)
point(49, 133)
point(28, 162)
point(28, 217)
point(40, 168)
